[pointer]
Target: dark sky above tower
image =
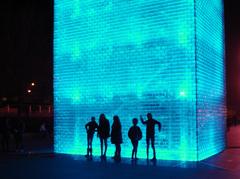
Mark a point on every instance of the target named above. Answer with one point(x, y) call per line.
point(26, 48)
point(232, 36)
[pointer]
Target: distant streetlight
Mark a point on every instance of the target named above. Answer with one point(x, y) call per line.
point(29, 91)
point(32, 84)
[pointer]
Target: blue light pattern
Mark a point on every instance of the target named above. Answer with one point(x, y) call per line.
point(129, 57)
point(210, 77)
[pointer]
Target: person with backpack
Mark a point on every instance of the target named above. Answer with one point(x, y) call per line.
point(135, 134)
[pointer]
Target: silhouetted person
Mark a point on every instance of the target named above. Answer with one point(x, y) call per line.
point(43, 130)
point(5, 129)
point(18, 132)
point(103, 133)
point(135, 134)
point(150, 133)
point(116, 137)
point(91, 127)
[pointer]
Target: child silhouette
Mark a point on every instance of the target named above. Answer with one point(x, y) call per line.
point(135, 134)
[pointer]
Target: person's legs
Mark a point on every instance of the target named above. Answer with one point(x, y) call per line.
point(136, 146)
point(119, 151)
point(153, 147)
point(148, 139)
point(105, 143)
point(101, 141)
point(90, 145)
point(116, 150)
point(87, 145)
point(133, 150)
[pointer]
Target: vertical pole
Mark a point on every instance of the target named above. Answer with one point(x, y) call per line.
point(8, 108)
point(40, 108)
point(30, 109)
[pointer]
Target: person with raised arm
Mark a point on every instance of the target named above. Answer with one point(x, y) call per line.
point(150, 133)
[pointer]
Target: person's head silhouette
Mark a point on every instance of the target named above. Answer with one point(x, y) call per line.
point(102, 117)
point(93, 119)
point(116, 119)
point(135, 121)
point(149, 116)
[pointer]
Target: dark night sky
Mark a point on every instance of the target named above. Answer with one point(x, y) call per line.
point(26, 47)
point(232, 36)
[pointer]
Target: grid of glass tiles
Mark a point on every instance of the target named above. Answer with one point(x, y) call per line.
point(131, 57)
point(210, 77)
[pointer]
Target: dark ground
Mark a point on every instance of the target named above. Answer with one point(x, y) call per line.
point(65, 166)
point(38, 161)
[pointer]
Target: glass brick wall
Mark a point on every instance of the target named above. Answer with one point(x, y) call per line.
point(210, 77)
point(128, 58)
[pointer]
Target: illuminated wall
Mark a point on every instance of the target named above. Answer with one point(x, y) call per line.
point(210, 77)
point(131, 57)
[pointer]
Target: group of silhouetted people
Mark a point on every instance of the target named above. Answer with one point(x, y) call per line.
point(8, 128)
point(134, 134)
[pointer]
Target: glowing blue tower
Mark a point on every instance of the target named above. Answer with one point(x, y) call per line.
point(131, 57)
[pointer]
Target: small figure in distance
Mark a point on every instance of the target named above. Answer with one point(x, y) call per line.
point(5, 134)
point(18, 132)
point(103, 133)
point(150, 133)
point(116, 137)
point(43, 130)
point(135, 134)
point(90, 127)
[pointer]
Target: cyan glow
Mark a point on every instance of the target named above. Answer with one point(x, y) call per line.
point(131, 57)
point(210, 77)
